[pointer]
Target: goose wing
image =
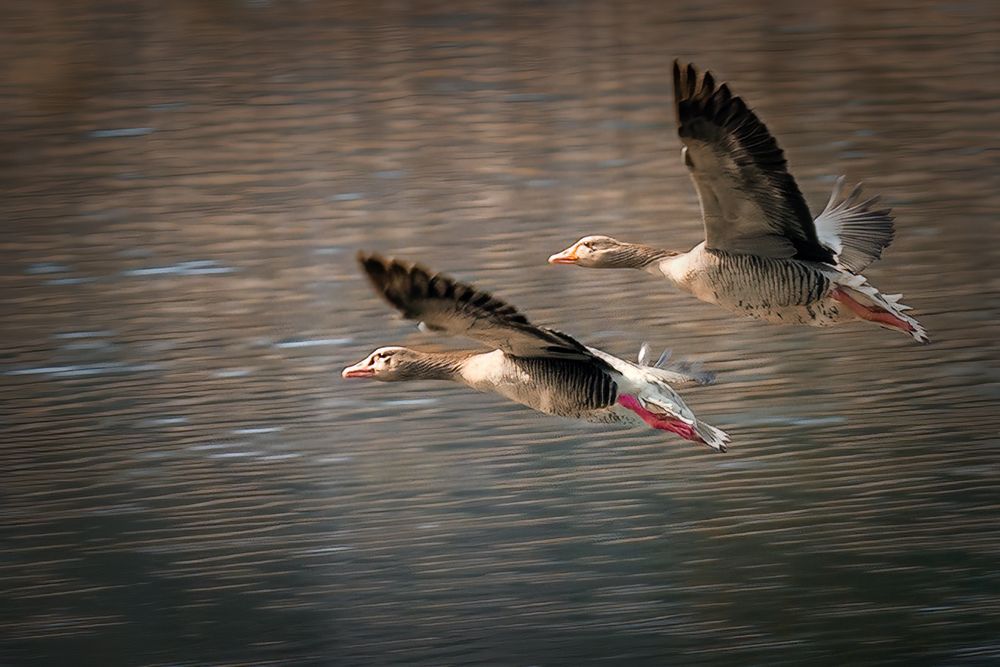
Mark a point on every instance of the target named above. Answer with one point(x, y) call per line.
point(446, 305)
point(749, 201)
point(853, 228)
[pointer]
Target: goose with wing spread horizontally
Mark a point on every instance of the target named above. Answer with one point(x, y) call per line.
point(541, 368)
point(763, 256)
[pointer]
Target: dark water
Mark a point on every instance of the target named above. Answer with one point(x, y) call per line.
point(186, 480)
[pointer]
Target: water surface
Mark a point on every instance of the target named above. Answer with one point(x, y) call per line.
point(187, 480)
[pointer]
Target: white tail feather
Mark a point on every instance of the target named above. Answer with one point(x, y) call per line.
point(865, 293)
point(659, 397)
point(715, 438)
point(650, 387)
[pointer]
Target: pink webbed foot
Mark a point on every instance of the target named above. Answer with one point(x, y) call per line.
point(659, 421)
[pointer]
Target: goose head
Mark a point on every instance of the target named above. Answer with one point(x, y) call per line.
point(398, 364)
point(604, 252)
point(386, 364)
point(593, 252)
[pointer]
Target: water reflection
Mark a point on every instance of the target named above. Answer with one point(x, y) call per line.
point(186, 479)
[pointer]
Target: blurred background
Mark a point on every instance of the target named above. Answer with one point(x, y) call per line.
point(186, 480)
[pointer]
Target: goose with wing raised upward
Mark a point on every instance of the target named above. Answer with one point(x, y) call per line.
point(763, 256)
point(541, 368)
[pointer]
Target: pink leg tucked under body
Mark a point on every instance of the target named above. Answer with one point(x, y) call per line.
point(657, 421)
point(871, 313)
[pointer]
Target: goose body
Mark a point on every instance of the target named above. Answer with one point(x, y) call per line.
point(561, 387)
point(781, 291)
point(540, 368)
point(764, 256)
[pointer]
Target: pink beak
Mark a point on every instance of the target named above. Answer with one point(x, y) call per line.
point(358, 370)
point(567, 256)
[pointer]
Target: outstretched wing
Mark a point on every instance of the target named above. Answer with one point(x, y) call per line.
point(854, 229)
point(446, 305)
point(749, 201)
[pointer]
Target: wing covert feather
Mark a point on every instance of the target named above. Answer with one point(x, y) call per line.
point(750, 202)
point(454, 308)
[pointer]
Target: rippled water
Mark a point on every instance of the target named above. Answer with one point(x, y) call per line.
point(187, 480)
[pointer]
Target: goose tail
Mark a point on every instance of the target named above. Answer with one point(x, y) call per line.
point(884, 310)
point(714, 437)
point(660, 407)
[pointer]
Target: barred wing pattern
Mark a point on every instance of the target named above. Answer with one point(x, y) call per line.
point(749, 201)
point(454, 308)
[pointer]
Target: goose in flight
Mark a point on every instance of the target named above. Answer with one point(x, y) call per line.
point(541, 368)
point(763, 256)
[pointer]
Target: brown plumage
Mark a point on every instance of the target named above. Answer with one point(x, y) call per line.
point(543, 369)
point(763, 255)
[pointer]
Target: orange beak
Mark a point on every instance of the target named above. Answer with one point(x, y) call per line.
point(358, 370)
point(567, 256)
